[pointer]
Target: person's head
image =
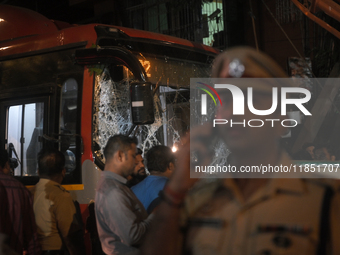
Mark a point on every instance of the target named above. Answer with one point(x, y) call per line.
point(4, 162)
point(120, 154)
point(139, 171)
point(51, 164)
point(323, 152)
point(245, 62)
point(160, 159)
point(309, 147)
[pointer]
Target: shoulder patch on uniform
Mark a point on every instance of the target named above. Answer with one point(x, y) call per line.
point(62, 188)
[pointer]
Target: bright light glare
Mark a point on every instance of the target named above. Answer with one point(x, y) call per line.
point(146, 64)
point(174, 148)
point(5, 48)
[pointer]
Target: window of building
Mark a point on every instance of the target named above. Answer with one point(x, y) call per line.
point(212, 14)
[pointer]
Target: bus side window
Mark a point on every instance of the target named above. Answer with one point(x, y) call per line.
point(68, 123)
point(25, 126)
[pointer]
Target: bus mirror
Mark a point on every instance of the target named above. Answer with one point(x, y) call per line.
point(142, 110)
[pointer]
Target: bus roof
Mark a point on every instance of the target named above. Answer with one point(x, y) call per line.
point(24, 30)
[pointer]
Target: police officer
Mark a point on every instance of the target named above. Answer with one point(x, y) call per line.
point(58, 220)
point(245, 215)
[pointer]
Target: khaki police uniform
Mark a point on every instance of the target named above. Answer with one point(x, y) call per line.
point(282, 217)
point(55, 214)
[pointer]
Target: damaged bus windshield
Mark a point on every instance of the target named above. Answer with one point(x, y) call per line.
point(170, 79)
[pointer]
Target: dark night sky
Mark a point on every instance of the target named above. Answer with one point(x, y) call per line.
point(58, 9)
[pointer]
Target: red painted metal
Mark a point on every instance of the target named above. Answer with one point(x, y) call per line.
point(165, 38)
point(319, 21)
point(329, 7)
point(86, 115)
point(49, 39)
point(16, 22)
point(24, 30)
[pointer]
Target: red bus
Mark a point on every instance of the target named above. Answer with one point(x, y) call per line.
point(72, 86)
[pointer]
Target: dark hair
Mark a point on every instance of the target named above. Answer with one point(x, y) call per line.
point(139, 152)
point(159, 157)
point(319, 152)
point(118, 142)
point(3, 158)
point(50, 162)
point(306, 145)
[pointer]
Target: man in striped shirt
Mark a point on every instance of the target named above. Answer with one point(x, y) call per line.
point(17, 220)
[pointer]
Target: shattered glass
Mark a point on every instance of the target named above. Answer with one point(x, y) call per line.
point(112, 110)
point(217, 146)
point(173, 72)
point(110, 114)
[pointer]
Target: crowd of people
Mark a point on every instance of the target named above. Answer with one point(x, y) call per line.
point(45, 219)
point(166, 211)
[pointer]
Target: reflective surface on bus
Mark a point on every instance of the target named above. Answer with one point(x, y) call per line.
point(25, 126)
